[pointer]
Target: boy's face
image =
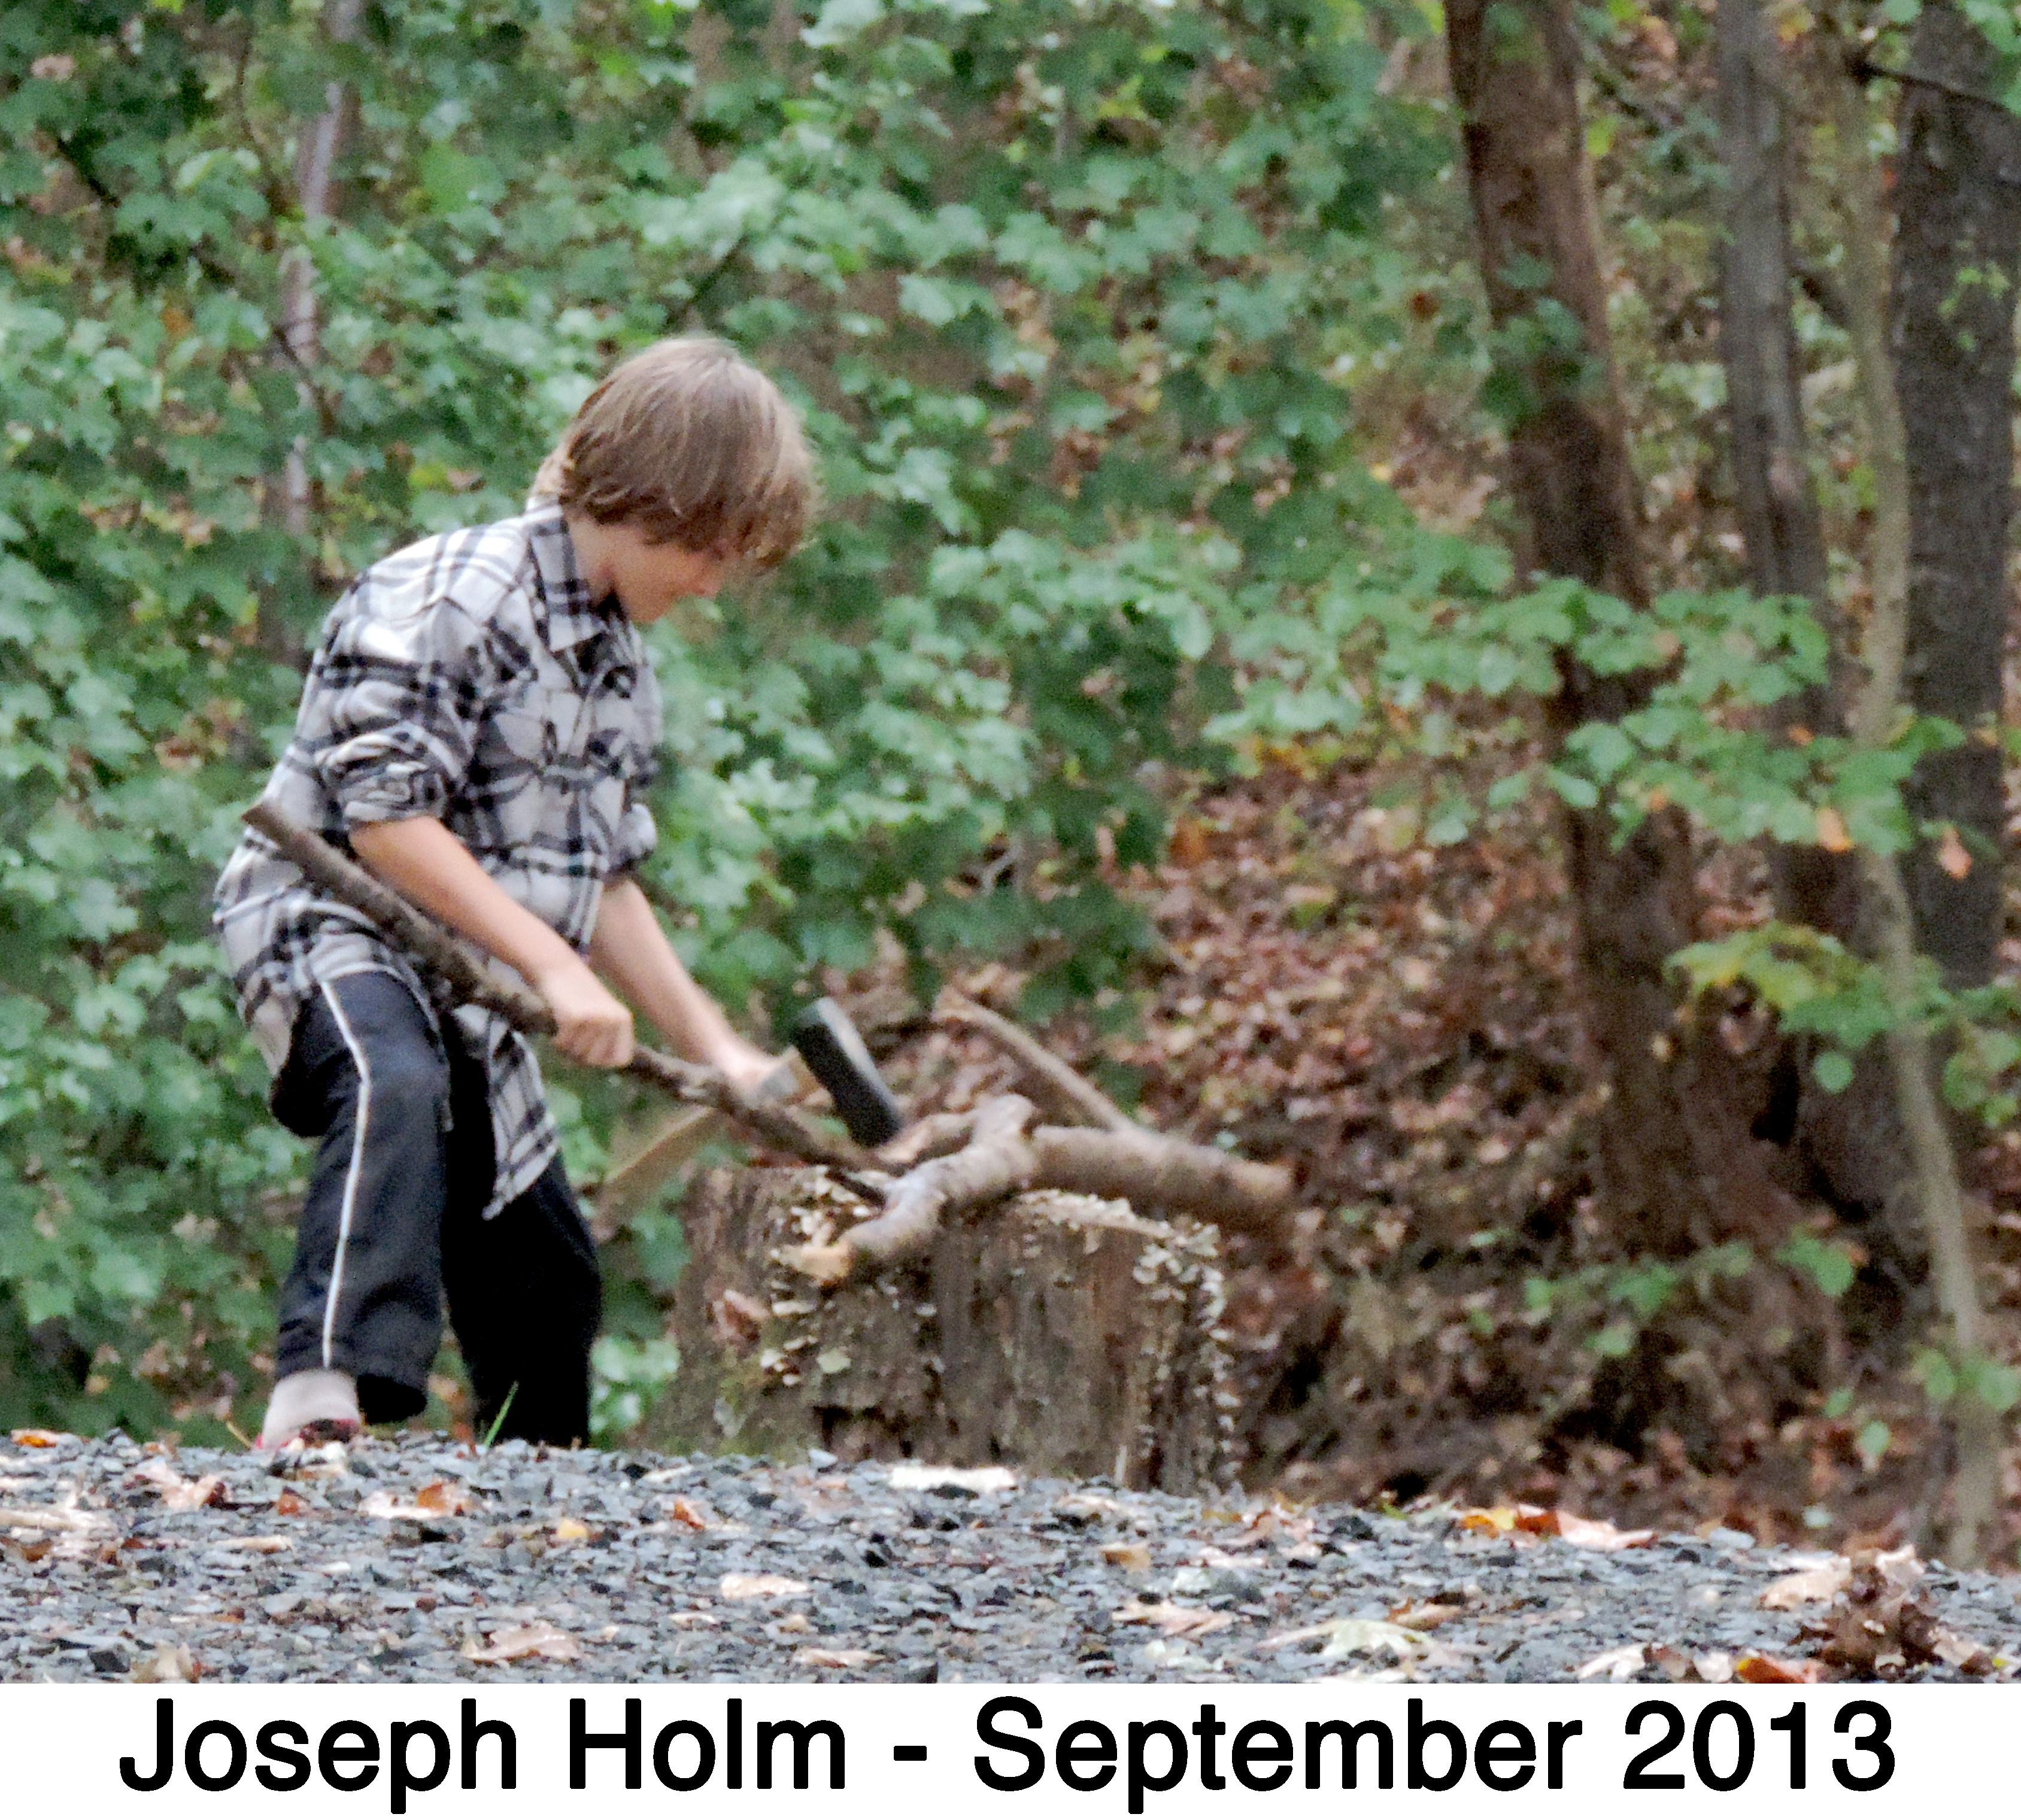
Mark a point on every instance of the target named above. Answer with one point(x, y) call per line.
point(649, 578)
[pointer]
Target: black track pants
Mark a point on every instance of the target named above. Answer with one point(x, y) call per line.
point(393, 1223)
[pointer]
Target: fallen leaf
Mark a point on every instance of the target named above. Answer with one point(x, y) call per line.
point(834, 1659)
point(1714, 1665)
point(1776, 1671)
point(64, 1517)
point(444, 1498)
point(171, 1662)
point(178, 1493)
point(289, 1503)
point(760, 1586)
point(1514, 1520)
point(38, 1437)
point(683, 1620)
point(571, 1529)
point(1346, 1636)
point(193, 1494)
point(1951, 854)
point(1677, 1665)
point(1425, 1615)
point(1832, 835)
point(538, 1639)
point(794, 1623)
point(1613, 1665)
point(1901, 1567)
point(910, 1476)
point(255, 1544)
point(1351, 1636)
point(1131, 1557)
point(1877, 1627)
point(1965, 1653)
point(1810, 1586)
point(684, 1510)
point(1173, 1620)
point(1586, 1532)
point(1089, 1507)
point(1498, 1519)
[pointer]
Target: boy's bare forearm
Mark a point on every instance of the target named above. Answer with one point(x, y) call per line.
point(631, 951)
point(423, 861)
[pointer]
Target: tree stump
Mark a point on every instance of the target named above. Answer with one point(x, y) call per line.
point(1058, 1333)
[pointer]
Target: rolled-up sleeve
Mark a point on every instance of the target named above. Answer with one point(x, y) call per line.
point(397, 696)
point(637, 835)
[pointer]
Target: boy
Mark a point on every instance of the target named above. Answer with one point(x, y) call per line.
point(478, 727)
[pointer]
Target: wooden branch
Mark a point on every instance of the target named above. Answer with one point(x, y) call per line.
point(426, 941)
point(1148, 1170)
point(1080, 1095)
point(938, 1134)
point(996, 1161)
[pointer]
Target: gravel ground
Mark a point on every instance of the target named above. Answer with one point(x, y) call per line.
point(417, 1560)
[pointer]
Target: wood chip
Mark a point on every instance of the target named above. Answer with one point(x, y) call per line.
point(760, 1586)
point(834, 1659)
point(524, 1642)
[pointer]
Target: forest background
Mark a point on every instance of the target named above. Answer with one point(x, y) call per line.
point(1425, 592)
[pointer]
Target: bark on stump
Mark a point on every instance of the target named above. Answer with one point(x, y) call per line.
point(1056, 1332)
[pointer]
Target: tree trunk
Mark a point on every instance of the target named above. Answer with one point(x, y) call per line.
point(1780, 524)
point(1677, 1168)
point(316, 156)
point(1957, 241)
point(1055, 1333)
point(320, 146)
point(1850, 1143)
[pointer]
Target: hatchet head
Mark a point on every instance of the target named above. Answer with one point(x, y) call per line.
point(833, 1050)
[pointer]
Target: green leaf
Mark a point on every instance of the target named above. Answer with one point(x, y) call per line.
point(1832, 1267)
point(1832, 1070)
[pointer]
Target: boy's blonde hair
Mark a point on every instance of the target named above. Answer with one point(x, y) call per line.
point(693, 444)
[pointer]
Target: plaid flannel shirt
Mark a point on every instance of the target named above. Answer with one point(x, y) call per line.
point(468, 678)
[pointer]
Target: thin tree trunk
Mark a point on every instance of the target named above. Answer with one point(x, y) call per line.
point(1850, 1143)
point(1957, 248)
point(1780, 524)
point(1677, 1167)
point(1958, 244)
point(1927, 1187)
point(316, 158)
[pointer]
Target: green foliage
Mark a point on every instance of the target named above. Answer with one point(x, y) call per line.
point(1057, 287)
point(1069, 294)
point(1944, 1377)
point(1831, 1267)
